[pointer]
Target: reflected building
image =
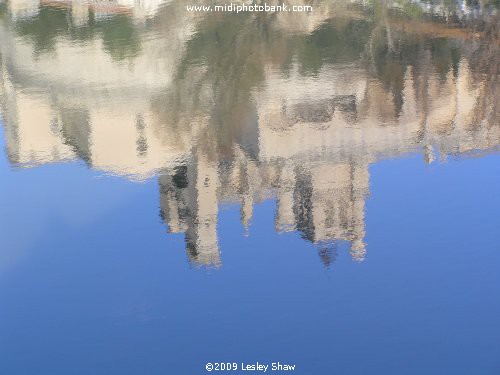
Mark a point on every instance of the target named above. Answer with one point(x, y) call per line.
point(189, 204)
point(286, 128)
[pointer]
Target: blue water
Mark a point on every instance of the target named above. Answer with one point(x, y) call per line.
point(91, 283)
point(318, 188)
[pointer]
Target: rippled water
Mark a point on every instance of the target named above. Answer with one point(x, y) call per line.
point(317, 188)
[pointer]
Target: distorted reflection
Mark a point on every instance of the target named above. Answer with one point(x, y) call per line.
point(242, 108)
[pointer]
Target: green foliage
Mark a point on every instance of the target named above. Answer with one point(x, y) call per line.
point(3, 10)
point(120, 37)
point(332, 43)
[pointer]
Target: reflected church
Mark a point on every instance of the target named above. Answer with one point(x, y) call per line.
point(295, 110)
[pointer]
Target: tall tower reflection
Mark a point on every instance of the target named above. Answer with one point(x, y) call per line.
point(189, 204)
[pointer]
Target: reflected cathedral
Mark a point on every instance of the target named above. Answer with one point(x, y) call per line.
point(295, 110)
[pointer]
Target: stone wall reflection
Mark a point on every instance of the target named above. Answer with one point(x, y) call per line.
point(298, 117)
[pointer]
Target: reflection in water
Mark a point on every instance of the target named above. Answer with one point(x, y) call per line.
point(243, 108)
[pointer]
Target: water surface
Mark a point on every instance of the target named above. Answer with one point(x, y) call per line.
point(316, 188)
